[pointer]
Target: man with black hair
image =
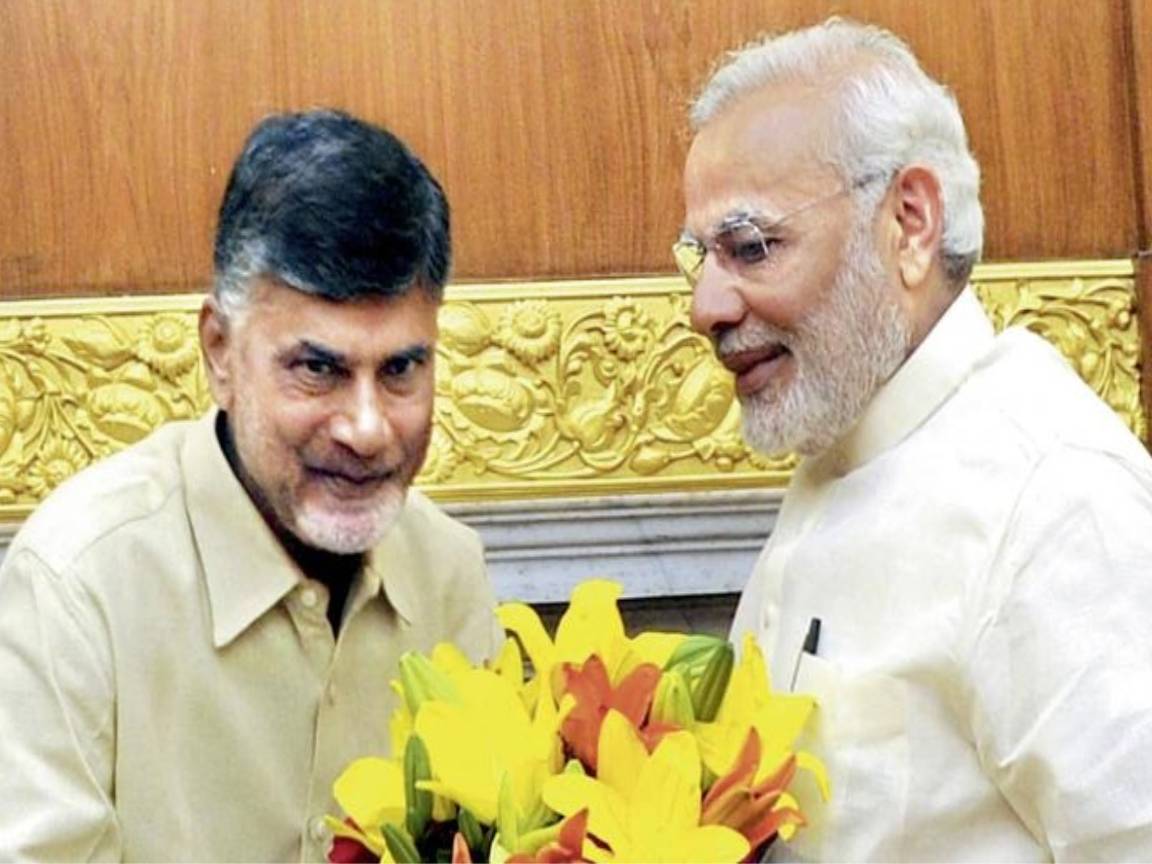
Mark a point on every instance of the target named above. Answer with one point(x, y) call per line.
point(196, 635)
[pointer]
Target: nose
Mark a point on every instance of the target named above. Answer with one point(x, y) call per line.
point(362, 424)
point(717, 302)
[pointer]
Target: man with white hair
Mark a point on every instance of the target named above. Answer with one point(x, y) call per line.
point(960, 568)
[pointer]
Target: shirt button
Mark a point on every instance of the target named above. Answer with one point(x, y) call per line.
point(309, 598)
point(769, 618)
point(318, 830)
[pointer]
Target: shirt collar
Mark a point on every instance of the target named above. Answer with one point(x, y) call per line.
point(246, 569)
point(933, 372)
point(392, 567)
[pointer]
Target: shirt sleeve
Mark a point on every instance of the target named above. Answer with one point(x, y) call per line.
point(1061, 665)
point(57, 715)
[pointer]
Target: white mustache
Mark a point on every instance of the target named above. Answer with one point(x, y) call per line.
point(752, 335)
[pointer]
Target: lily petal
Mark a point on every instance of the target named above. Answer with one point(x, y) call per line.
point(623, 757)
point(521, 620)
point(568, 794)
point(371, 791)
point(592, 625)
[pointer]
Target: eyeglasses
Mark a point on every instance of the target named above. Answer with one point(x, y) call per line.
point(741, 242)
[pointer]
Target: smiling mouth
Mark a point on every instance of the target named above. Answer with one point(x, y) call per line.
point(344, 484)
point(754, 368)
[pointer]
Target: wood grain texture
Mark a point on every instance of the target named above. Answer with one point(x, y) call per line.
point(557, 126)
point(1139, 46)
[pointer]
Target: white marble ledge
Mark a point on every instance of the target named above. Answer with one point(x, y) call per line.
point(655, 545)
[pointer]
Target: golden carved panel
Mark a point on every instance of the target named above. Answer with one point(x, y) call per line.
point(1090, 317)
point(549, 389)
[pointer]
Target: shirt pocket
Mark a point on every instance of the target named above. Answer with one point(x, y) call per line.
point(860, 733)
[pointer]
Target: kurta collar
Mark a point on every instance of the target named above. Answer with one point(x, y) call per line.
point(933, 372)
point(247, 570)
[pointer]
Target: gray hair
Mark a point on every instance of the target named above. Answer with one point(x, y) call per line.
point(888, 112)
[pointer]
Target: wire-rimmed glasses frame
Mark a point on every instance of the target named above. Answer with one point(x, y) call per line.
point(741, 241)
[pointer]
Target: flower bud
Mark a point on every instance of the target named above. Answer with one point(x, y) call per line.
point(421, 680)
point(692, 654)
point(672, 703)
point(418, 802)
point(706, 664)
point(470, 828)
point(709, 688)
point(400, 845)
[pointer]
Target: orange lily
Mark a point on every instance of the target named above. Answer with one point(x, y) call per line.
point(642, 806)
point(590, 696)
point(756, 810)
point(750, 703)
point(566, 849)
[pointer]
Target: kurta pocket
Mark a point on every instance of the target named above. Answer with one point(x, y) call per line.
point(859, 731)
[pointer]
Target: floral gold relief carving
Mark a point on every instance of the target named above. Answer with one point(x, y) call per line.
point(549, 389)
point(571, 391)
point(1093, 324)
point(76, 388)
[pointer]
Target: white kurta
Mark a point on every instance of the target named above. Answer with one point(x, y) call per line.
point(979, 552)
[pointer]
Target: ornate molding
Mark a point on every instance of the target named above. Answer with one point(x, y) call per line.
point(546, 390)
point(1090, 316)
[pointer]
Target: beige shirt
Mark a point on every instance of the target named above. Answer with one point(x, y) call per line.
point(979, 552)
point(170, 688)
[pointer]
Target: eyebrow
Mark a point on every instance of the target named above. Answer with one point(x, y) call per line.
point(734, 217)
point(742, 217)
point(317, 352)
point(414, 353)
point(417, 353)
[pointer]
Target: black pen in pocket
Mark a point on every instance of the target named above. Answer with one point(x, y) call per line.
point(811, 643)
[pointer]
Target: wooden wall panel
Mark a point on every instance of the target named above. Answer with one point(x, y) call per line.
point(556, 125)
point(1140, 46)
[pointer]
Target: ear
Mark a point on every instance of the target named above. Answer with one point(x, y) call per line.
point(217, 342)
point(919, 214)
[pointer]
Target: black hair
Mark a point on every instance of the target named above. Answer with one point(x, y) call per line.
point(333, 206)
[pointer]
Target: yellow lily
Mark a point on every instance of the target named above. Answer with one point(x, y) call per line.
point(591, 625)
point(644, 807)
point(778, 719)
point(423, 678)
point(370, 792)
point(488, 753)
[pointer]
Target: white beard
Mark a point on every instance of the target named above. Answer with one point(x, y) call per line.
point(347, 533)
point(843, 352)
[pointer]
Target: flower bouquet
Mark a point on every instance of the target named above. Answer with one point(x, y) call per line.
point(661, 747)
